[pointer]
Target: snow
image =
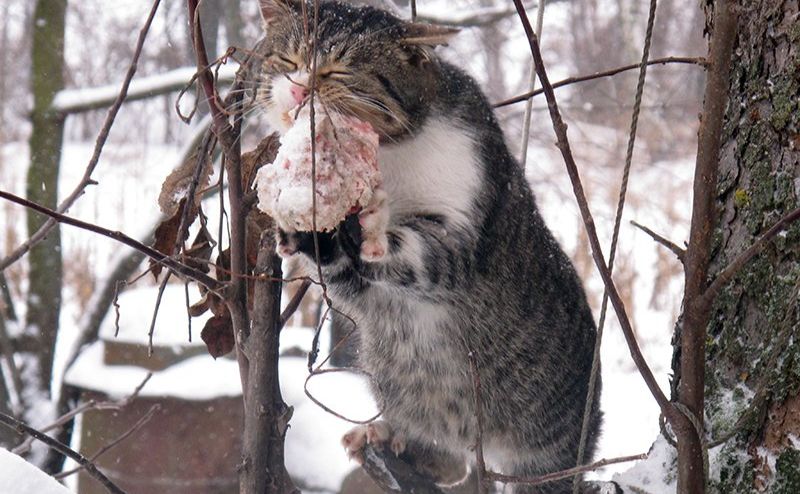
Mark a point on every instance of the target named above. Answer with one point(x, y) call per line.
point(649, 475)
point(314, 430)
point(17, 476)
point(202, 378)
point(346, 172)
point(69, 100)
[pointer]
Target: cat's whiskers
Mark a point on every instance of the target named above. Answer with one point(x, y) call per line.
point(369, 103)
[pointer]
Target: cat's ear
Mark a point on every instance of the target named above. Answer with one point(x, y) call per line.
point(428, 34)
point(273, 9)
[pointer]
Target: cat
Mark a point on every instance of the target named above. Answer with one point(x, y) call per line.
point(470, 266)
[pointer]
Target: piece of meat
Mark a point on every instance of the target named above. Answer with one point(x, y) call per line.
point(346, 172)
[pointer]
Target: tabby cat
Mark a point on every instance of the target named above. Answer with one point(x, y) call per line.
point(470, 266)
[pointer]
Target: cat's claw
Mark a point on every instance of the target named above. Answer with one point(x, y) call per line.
point(378, 434)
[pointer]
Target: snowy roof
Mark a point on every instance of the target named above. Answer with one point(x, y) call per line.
point(196, 378)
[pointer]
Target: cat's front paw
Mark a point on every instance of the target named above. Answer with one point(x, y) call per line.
point(287, 243)
point(378, 434)
point(374, 220)
point(374, 249)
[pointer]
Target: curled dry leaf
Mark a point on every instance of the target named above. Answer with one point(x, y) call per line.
point(177, 184)
point(166, 236)
point(218, 335)
point(262, 155)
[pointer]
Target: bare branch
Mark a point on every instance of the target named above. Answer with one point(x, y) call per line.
point(86, 180)
point(395, 475)
point(89, 405)
point(597, 252)
point(157, 256)
point(679, 252)
point(692, 333)
point(758, 246)
point(62, 448)
point(597, 75)
point(484, 483)
point(294, 303)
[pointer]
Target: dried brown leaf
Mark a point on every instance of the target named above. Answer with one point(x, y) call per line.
point(218, 335)
point(201, 306)
point(166, 235)
point(177, 184)
point(263, 154)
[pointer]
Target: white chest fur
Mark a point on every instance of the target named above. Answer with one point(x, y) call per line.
point(436, 172)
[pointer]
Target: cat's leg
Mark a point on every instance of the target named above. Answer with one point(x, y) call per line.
point(374, 220)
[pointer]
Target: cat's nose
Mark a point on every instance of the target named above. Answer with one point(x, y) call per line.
point(299, 93)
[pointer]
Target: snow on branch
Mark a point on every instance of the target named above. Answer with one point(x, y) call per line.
point(85, 99)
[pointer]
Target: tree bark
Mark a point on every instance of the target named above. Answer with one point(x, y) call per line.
point(44, 260)
point(753, 353)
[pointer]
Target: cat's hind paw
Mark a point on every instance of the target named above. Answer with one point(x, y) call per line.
point(378, 434)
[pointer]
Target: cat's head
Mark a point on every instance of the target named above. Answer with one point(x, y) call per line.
point(370, 64)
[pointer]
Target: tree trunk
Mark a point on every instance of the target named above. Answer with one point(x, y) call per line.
point(44, 260)
point(753, 352)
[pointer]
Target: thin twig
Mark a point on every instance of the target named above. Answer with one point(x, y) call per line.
point(756, 248)
point(87, 180)
point(597, 75)
point(161, 287)
point(483, 483)
point(597, 252)
point(85, 407)
point(62, 448)
point(679, 252)
point(564, 474)
point(312, 123)
point(125, 435)
point(294, 303)
point(177, 266)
